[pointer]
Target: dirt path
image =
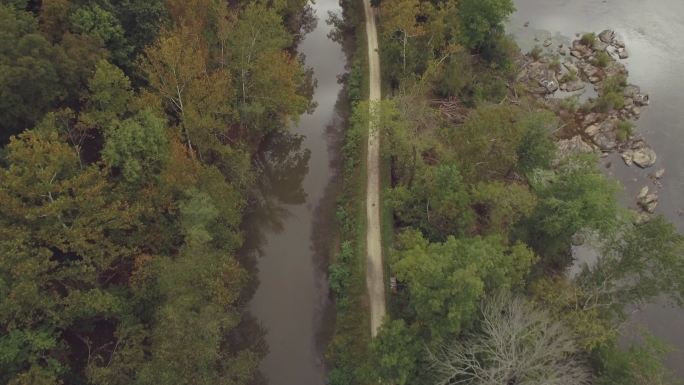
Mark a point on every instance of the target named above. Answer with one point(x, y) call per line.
point(374, 266)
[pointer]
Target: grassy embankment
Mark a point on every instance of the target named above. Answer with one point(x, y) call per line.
point(348, 352)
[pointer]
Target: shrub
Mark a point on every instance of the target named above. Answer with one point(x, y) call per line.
point(555, 64)
point(569, 77)
point(489, 89)
point(609, 101)
point(624, 130)
point(536, 52)
point(602, 59)
point(614, 84)
point(587, 106)
point(457, 77)
point(501, 54)
point(570, 104)
point(588, 39)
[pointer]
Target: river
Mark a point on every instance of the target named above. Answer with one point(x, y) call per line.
point(290, 225)
point(652, 31)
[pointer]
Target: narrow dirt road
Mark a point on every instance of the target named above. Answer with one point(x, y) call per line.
point(374, 266)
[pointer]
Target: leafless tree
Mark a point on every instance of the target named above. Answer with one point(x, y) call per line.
point(518, 344)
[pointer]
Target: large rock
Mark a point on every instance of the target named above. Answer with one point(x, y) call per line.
point(639, 153)
point(631, 91)
point(606, 140)
point(644, 157)
point(573, 146)
point(551, 85)
point(589, 70)
point(592, 130)
point(647, 202)
point(574, 86)
point(628, 157)
point(607, 36)
point(642, 100)
point(570, 66)
point(591, 118)
point(622, 53)
point(614, 69)
point(600, 46)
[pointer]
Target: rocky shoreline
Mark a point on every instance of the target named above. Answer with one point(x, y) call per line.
point(585, 84)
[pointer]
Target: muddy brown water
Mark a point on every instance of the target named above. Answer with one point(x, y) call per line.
point(653, 31)
point(290, 224)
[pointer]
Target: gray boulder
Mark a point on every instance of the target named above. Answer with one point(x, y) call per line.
point(607, 36)
point(644, 157)
point(573, 146)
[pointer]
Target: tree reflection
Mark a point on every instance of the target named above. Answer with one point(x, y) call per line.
point(281, 165)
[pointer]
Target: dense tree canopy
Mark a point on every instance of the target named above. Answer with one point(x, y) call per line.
point(123, 184)
point(486, 214)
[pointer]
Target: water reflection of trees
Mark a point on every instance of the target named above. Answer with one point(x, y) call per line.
point(325, 226)
point(280, 166)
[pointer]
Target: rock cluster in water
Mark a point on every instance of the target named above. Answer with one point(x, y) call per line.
point(596, 127)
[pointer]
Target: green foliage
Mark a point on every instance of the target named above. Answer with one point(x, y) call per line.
point(641, 363)
point(62, 226)
point(110, 94)
point(614, 84)
point(482, 20)
point(501, 55)
point(117, 241)
point(500, 206)
point(253, 43)
point(570, 104)
point(141, 21)
point(201, 287)
point(138, 146)
point(602, 59)
point(570, 76)
point(446, 280)
point(96, 21)
point(457, 77)
point(394, 352)
point(611, 94)
point(536, 149)
point(348, 352)
point(339, 273)
point(464, 77)
point(588, 39)
point(609, 101)
point(497, 139)
point(576, 197)
point(437, 203)
point(29, 76)
point(640, 263)
point(487, 142)
point(555, 64)
point(625, 129)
